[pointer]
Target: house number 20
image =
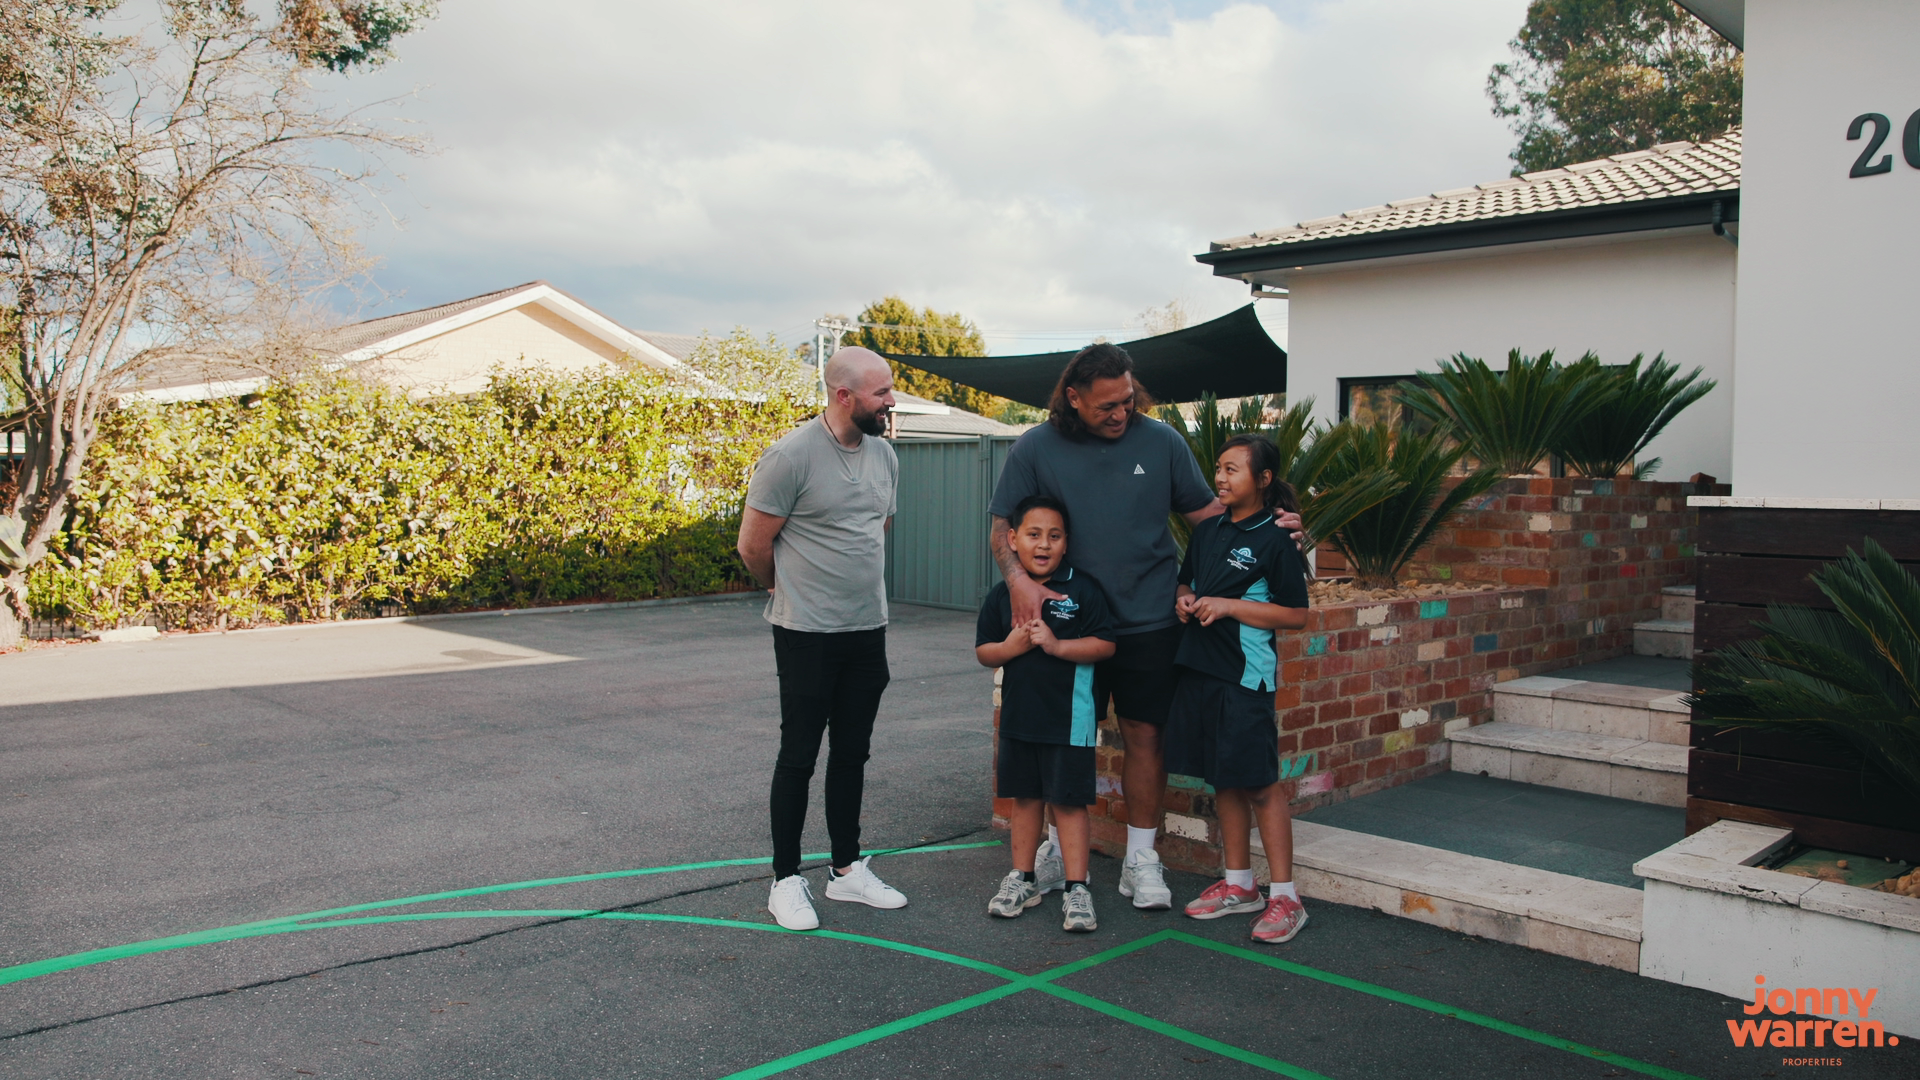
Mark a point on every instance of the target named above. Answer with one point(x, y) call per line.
point(1864, 165)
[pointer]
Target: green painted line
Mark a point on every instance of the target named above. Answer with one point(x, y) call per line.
point(1481, 1019)
point(875, 1034)
point(36, 968)
point(1161, 1027)
point(1016, 984)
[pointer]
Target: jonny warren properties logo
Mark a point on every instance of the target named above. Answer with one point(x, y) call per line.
point(1860, 1030)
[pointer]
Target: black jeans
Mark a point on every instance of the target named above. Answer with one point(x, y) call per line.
point(828, 683)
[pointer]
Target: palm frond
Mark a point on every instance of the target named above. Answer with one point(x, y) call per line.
point(1850, 675)
point(1507, 419)
point(1380, 539)
point(1634, 407)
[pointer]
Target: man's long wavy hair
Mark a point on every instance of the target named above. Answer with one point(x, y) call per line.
point(1101, 361)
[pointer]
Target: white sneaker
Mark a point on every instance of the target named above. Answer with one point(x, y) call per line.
point(1049, 868)
point(861, 885)
point(791, 903)
point(1144, 881)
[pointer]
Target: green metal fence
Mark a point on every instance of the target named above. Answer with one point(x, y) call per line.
point(937, 551)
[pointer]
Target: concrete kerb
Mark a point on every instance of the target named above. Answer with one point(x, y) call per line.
point(500, 613)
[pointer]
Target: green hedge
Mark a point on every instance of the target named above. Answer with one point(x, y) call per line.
point(324, 500)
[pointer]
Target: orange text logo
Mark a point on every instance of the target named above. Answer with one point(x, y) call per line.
point(1859, 1030)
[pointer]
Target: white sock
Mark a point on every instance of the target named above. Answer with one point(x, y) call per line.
point(1282, 888)
point(1140, 840)
point(1241, 879)
point(1053, 835)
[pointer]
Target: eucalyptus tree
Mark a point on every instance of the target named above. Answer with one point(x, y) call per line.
point(165, 175)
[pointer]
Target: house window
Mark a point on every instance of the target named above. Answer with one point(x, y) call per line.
point(1376, 400)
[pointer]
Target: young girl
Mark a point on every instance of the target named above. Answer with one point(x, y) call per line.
point(1242, 579)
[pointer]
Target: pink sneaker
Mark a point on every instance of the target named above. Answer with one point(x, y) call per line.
point(1280, 922)
point(1223, 899)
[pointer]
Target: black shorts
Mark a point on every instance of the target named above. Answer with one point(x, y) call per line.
point(1223, 733)
point(1139, 676)
point(1062, 775)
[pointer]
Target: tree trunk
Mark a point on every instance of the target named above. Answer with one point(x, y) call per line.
point(13, 600)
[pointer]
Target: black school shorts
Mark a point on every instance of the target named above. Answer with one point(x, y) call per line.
point(1062, 775)
point(1223, 733)
point(1139, 676)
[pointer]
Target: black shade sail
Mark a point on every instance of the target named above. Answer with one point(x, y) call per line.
point(1232, 356)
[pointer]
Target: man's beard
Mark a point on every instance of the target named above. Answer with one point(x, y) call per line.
point(873, 423)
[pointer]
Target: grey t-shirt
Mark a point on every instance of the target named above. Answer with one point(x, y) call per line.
point(1118, 495)
point(830, 559)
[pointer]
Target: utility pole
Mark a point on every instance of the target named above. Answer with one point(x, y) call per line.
point(826, 341)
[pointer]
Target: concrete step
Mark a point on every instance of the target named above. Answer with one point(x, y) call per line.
point(1618, 710)
point(1622, 768)
point(1557, 913)
point(1676, 603)
point(1664, 637)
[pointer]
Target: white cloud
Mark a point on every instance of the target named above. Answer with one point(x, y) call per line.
point(1036, 165)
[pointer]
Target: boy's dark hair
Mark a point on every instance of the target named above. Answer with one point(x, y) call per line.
point(1040, 502)
point(1264, 457)
point(1101, 361)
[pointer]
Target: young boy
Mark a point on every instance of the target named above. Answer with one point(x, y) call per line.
point(1047, 722)
point(1242, 579)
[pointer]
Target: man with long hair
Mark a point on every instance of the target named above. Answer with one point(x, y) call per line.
point(1120, 473)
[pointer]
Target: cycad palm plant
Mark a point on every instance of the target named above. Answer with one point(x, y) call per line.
point(1851, 674)
point(1635, 406)
point(1307, 451)
point(1380, 539)
point(1507, 419)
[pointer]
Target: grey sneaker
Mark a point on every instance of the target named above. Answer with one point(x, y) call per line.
point(1076, 910)
point(1049, 867)
point(1016, 895)
point(1143, 881)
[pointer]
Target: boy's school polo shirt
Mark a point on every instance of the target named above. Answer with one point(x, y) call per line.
point(1045, 699)
point(1252, 559)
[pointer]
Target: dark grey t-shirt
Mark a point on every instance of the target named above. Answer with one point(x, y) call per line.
point(1118, 494)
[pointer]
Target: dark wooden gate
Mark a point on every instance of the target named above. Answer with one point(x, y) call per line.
point(1829, 797)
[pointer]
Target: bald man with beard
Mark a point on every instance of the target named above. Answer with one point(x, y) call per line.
point(815, 526)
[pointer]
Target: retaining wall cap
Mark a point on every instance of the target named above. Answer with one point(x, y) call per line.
point(1593, 906)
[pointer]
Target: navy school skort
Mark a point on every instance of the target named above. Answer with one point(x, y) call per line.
point(1222, 732)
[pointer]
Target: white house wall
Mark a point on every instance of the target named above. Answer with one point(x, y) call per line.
point(1828, 360)
point(1673, 294)
point(459, 361)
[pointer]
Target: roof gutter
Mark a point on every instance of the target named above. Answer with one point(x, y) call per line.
point(1708, 209)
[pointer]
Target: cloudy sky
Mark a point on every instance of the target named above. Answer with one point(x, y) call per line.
point(1047, 167)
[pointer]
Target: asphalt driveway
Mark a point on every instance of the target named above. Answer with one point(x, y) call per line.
point(535, 847)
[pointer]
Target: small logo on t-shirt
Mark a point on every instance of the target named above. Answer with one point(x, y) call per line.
point(1138, 471)
point(1241, 558)
point(1064, 608)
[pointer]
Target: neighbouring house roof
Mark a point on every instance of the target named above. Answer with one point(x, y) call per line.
point(366, 340)
point(1673, 185)
point(678, 346)
point(915, 417)
point(187, 378)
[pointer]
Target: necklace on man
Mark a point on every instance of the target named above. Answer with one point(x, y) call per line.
point(846, 468)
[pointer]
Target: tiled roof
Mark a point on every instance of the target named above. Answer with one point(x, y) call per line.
point(1667, 170)
point(678, 346)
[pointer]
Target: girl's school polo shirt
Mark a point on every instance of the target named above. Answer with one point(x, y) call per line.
point(1252, 559)
point(1045, 699)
